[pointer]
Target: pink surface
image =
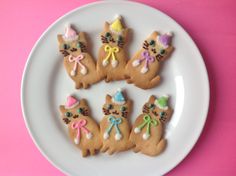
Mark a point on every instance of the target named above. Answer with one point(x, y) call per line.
point(211, 24)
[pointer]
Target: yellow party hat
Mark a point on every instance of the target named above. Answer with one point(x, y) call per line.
point(116, 26)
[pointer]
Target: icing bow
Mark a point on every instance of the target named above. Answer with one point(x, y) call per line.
point(113, 122)
point(80, 125)
point(111, 53)
point(77, 61)
point(145, 56)
point(147, 120)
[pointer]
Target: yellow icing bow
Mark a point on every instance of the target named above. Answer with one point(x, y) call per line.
point(111, 53)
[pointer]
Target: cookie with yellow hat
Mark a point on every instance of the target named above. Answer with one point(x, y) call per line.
point(112, 56)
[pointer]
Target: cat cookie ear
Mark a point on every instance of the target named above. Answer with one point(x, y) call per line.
point(152, 98)
point(106, 26)
point(62, 109)
point(83, 102)
point(154, 35)
point(60, 38)
point(82, 37)
point(108, 98)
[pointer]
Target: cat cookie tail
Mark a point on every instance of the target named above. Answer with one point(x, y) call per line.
point(147, 85)
point(160, 147)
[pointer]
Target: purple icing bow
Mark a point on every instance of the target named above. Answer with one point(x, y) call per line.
point(148, 59)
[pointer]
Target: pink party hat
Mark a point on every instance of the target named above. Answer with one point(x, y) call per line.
point(70, 34)
point(71, 102)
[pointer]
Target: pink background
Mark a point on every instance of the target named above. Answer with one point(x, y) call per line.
point(211, 23)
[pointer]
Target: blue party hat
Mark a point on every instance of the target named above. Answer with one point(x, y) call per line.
point(118, 98)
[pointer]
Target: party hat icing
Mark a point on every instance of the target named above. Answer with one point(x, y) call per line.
point(165, 39)
point(71, 102)
point(70, 33)
point(118, 97)
point(162, 102)
point(116, 25)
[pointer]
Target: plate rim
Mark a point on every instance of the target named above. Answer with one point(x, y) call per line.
point(205, 111)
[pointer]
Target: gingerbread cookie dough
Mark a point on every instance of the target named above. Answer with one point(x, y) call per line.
point(142, 70)
point(83, 130)
point(112, 57)
point(78, 63)
point(114, 127)
point(148, 129)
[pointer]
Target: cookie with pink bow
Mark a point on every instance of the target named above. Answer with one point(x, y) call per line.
point(78, 63)
point(83, 130)
point(142, 70)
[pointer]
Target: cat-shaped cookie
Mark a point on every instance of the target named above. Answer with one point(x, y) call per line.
point(112, 57)
point(83, 130)
point(78, 63)
point(148, 129)
point(143, 68)
point(114, 127)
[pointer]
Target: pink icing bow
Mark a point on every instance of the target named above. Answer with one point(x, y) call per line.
point(80, 125)
point(77, 61)
point(145, 56)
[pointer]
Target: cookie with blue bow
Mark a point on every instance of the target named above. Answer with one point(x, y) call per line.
point(115, 127)
point(148, 130)
point(142, 69)
point(112, 57)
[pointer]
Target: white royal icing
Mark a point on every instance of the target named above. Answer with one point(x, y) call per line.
point(118, 136)
point(137, 130)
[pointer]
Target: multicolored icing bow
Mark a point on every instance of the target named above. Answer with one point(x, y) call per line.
point(80, 125)
point(77, 61)
point(113, 122)
point(148, 59)
point(111, 53)
point(147, 120)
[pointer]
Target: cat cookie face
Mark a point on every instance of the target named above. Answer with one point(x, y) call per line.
point(158, 46)
point(83, 130)
point(72, 43)
point(112, 38)
point(158, 108)
point(114, 109)
point(72, 113)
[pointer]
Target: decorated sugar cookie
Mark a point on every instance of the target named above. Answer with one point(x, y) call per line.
point(112, 55)
point(142, 70)
point(148, 129)
point(114, 127)
point(78, 63)
point(83, 130)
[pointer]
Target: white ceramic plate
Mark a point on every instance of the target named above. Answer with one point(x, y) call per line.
point(45, 86)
